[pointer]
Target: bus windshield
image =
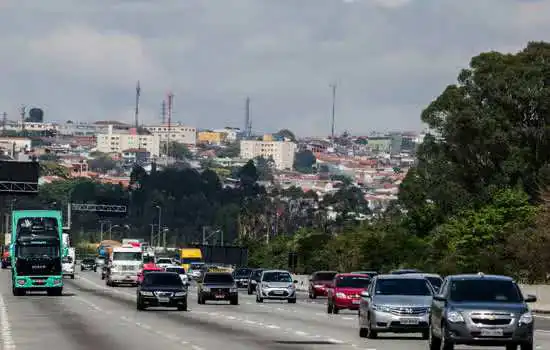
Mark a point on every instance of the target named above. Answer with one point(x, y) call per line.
point(37, 251)
point(191, 260)
point(134, 256)
point(37, 226)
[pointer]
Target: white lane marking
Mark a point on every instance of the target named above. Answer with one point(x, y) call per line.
point(5, 327)
point(542, 316)
point(335, 341)
point(348, 318)
point(301, 333)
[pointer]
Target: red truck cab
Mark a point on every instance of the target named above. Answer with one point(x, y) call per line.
point(147, 268)
point(346, 292)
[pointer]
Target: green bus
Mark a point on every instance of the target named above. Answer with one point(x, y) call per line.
point(37, 251)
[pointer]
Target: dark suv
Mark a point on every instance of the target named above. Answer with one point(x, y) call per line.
point(481, 310)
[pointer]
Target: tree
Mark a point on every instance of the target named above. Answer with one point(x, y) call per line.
point(177, 150)
point(265, 168)
point(304, 161)
point(285, 133)
point(232, 150)
point(248, 175)
point(489, 131)
point(103, 164)
point(52, 168)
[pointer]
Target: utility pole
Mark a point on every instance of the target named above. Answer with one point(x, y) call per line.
point(23, 113)
point(152, 243)
point(164, 229)
point(170, 108)
point(333, 86)
point(136, 113)
point(247, 122)
point(160, 221)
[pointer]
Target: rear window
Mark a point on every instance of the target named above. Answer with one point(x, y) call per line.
point(257, 274)
point(218, 278)
point(485, 291)
point(243, 272)
point(162, 279)
point(178, 270)
point(352, 282)
point(88, 261)
point(435, 281)
point(324, 276)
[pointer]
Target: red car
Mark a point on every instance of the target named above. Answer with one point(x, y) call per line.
point(147, 268)
point(346, 293)
point(320, 282)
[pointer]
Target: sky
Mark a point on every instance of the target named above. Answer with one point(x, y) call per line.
point(80, 60)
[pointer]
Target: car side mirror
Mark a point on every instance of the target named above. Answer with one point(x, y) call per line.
point(439, 297)
point(365, 294)
point(295, 281)
point(530, 298)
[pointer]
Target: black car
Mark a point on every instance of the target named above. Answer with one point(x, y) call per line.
point(163, 289)
point(241, 276)
point(218, 286)
point(88, 264)
point(253, 280)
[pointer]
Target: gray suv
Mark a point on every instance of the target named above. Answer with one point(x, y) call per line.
point(481, 310)
point(395, 304)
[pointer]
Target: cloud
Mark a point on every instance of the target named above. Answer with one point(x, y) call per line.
point(80, 59)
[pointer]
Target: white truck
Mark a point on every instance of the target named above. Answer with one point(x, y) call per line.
point(69, 263)
point(123, 265)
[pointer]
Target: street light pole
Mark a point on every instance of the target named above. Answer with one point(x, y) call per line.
point(160, 221)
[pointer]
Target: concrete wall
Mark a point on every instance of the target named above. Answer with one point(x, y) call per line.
point(541, 291)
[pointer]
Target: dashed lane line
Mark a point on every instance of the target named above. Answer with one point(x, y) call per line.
point(5, 327)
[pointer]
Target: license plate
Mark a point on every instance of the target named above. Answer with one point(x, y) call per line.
point(40, 281)
point(164, 300)
point(356, 301)
point(220, 296)
point(409, 321)
point(278, 292)
point(492, 333)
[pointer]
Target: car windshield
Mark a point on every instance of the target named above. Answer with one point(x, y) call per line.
point(88, 261)
point(178, 270)
point(134, 256)
point(243, 272)
point(403, 286)
point(277, 277)
point(162, 279)
point(223, 278)
point(352, 282)
point(435, 281)
point(257, 274)
point(324, 276)
point(164, 261)
point(479, 290)
point(37, 226)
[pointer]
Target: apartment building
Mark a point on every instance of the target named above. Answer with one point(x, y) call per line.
point(121, 140)
point(186, 135)
point(282, 151)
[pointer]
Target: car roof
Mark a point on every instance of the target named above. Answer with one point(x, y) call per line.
point(162, 272)
point(480, 276)
point(351, 274)
point(403, 276)
point(423, 274)
point(173, 266)
point(327, 271)
point(217, 273)
point(281, 271)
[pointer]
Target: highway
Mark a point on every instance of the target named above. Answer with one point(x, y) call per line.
point(93, 316)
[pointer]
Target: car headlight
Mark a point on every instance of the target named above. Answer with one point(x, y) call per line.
point(318, 285)
point(265, 285)
point(526, 318)
point(233, 290)
point(454, 317)
point(291, 286)
point(381, 308)
point(253, 282)
point(206, 289)
point(340, 295)
point(180, 294)
point(147, 294)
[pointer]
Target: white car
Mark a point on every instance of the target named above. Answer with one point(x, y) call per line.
point(180, 270)
point(164, 262)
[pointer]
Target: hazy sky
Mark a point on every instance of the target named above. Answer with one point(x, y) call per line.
point(80, 59)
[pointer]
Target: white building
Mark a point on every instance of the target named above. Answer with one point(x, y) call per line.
point(117, 142)
point(281, 151)
point(186, 135)
point(232, 134)
point(12, 145)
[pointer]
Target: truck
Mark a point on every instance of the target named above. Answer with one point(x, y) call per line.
point(5, 251)
point(123, 265)
point(36, 251)
point(69, 262)
point(189, 256)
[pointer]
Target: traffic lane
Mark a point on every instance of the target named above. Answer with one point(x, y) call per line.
point(211, 330)
point(67, 323)
point(260, 318)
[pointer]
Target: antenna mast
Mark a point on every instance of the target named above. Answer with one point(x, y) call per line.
point(333, 86)
point(136, 113)
point(170, 109)
point(23, 113)
point(163, 112)
point(247, 122)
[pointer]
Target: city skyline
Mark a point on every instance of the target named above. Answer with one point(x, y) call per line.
point(389, 59)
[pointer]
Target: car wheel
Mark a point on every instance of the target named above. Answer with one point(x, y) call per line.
point(312, 295)
point(72, 277)
point(426, 335)
point(259, 299)
point(370, 333)
point(446, 344)
point(292, 301)
point(234, 301)
point(363, 332)
point(139, 305)
point(526, 346)
point(329, 308)
point(249, 291)
point(335, 310)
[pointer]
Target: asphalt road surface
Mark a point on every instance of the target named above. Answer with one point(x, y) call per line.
point(92, 316)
